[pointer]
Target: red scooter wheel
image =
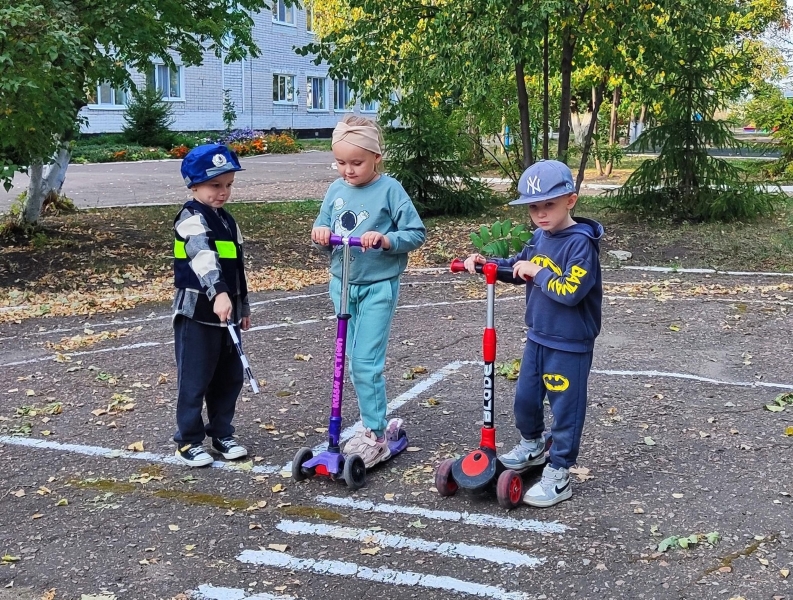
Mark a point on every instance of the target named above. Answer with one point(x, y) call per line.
point(444, 482)
point(509, 489)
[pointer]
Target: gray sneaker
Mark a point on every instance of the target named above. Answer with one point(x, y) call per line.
point(528, 453)
point(551, 489)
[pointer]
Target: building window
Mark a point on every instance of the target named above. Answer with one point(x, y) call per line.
point(284, 88)
point(107, 96)
point(168, 81)
point(341, 95)
point(315, 93)
point(283, 13)
point(372, 106)
point(309, 18)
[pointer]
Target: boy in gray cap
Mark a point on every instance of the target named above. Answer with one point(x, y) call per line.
point(209, 276)
point(564, 293)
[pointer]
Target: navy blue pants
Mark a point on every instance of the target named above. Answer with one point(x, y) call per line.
point(210, 370)
point(562, 376)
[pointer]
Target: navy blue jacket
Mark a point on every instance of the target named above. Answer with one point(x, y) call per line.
point(564, 301)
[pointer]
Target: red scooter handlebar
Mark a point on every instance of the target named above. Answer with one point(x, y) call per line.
point(503, 274)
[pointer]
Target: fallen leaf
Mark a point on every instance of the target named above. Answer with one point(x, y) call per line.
point(412, 449)
point(372, 551)
point(582, 473)
point(677, 495)
point(18, 493)
point(62, 502)
point(278, 547)
point(136, 446)
point(784, 573)
point(389, 496)
point(254, 526)
point(649, 441)
point(303, 357)
point(190, 547)
point(278, 488)
point(173, 527)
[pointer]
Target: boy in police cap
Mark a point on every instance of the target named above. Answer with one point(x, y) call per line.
point(209, 276)
point(564, 293)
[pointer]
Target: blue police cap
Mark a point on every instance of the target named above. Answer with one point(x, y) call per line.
point(206, 162)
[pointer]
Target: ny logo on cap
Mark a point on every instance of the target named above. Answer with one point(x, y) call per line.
point(219, 160)
point(533, 184)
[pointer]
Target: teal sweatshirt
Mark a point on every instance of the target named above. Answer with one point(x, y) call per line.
point(383, 206)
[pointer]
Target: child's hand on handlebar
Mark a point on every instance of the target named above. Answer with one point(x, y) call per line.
point(525, 269)
point(471, 261)
point(372, 239)
point(321, 235)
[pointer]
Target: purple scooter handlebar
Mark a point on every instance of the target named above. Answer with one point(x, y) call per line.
point(338, 240)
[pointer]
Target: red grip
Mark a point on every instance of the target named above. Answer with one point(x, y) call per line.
point(489, 345)
point(457, 266)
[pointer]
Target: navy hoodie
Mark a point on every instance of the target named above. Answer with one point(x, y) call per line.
point(563, 302)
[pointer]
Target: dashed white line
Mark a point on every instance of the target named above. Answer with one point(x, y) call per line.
point(500, 556)
point(210, 592)
point(282, 560)
point(466, 518)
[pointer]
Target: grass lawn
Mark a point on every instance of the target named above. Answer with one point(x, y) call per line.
point(104, 260)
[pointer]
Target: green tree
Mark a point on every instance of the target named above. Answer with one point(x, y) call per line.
point(702, 57)
point(51, 51)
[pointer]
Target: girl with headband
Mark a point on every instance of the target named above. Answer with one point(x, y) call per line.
point(375, 207)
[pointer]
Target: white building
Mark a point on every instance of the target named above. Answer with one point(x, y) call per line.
point(278, 90)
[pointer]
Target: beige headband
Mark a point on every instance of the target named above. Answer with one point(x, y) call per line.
point(363, 136)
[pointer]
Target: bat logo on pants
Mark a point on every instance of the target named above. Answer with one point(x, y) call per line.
point(555, 382)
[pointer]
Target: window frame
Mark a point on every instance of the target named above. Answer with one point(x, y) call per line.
point(277, 87)
point(350, 104)
point(180, 75)
point(98, 104)
point(292, 11)
point(376, 108)
point(309, 18)
point(310, 93)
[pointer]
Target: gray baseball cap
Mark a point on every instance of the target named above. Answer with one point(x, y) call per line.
point(544, 180)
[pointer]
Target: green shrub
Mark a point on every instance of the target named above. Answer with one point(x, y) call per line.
point(148, 119)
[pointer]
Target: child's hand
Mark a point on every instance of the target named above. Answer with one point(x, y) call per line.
point(371, 238)
point(222, 307)
point(245, 323)
point(525, 269)
point(321, 236)
point(471, 261)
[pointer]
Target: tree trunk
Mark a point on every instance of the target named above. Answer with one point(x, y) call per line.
point(642, 117)
point(598, 164)
point(545, 100)
point(615, 103)
point(45, 182)
point(35, 197)
point(596, 102)
point(568, 48)
point(525, 116)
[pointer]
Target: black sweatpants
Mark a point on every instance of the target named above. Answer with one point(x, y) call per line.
point(208, 370)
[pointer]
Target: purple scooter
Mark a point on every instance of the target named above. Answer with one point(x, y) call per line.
point(332, 462)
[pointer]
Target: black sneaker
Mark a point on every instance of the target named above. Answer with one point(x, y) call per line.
point(193, 455)
point(229, 448)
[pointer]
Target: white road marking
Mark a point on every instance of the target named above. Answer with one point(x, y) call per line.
point(210, 592)
point(500, 556)
point(282, 560)
point(781, 386)
point(480, 520)
point(168, 459)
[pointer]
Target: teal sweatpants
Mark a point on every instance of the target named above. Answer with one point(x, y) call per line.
point(371, 307)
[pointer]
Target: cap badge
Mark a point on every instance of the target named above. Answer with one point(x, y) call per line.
point(219, 160)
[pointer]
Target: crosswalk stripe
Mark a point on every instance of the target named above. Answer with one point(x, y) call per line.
point(480, 520)
point(210, 592)
point(385, 575)
point(500, 556)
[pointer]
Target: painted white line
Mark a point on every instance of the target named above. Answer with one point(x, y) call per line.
point(210, 592)
point(70, 355)
point(114, 453)
point(479, 520)
point(282, 560)
point(407, 396)
point(781, 386)
point(500, 556)
point(652, 269)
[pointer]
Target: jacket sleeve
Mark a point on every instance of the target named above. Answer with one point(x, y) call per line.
point(577, 278)
point(246, 307)
point(410, 232)
point(204, 261)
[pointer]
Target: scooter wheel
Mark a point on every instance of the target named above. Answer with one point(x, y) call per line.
point(299, 473)
point(509, 489)
point(444, 482)
point(354, 472)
